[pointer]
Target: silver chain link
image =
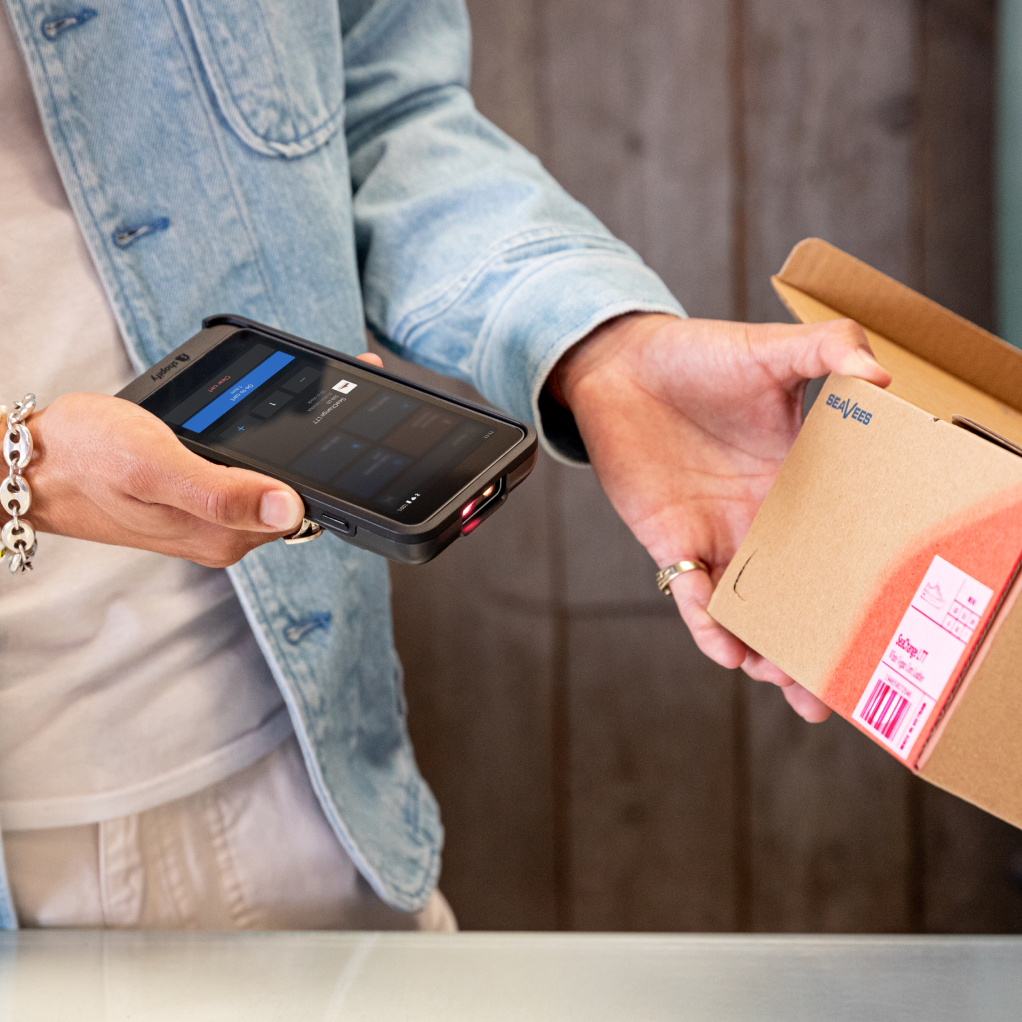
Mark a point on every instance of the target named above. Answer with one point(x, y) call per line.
point(17, 536)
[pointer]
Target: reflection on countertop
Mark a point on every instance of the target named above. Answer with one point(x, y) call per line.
point(334, 977)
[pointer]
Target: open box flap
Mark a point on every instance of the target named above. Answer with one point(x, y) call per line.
point(940, 362)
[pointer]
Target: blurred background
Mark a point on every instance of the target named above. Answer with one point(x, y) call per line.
point(595, 771)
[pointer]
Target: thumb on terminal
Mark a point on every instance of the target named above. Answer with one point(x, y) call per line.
point(281, 510)
point(232, 497)
point(235, 498)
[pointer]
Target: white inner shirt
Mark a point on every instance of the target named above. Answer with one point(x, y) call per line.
point(127, 679)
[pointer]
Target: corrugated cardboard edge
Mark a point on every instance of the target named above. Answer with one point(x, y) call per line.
point(975, 751)
point(956, 696)
point(854, 289)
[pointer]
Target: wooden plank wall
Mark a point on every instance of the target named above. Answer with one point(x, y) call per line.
point(594, 770)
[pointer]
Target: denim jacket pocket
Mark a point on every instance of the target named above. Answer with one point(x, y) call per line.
point(276, 70)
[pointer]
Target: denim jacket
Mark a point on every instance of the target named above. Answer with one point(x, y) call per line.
point(320, 166)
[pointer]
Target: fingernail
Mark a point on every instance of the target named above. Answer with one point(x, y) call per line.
point(868, 359)
point(280, 510)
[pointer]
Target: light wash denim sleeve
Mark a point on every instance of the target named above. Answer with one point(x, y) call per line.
point(474, 261)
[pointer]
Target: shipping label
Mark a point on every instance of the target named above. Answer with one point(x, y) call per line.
point(919, 663)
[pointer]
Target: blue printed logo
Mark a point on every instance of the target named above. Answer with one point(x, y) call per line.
point(846, 408)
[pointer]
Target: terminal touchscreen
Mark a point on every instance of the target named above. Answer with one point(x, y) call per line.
point(402, 468)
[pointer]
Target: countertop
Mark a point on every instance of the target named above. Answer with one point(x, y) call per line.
point(337, 977)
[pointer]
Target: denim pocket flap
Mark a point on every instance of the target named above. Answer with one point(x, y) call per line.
point(275, 69)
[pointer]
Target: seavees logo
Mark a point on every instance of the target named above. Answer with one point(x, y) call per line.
point(848, 409)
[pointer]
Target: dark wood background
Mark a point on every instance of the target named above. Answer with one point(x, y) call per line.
point(595, 771)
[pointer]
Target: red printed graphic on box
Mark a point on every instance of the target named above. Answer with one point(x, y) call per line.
point(984, 544)
point(919, 663)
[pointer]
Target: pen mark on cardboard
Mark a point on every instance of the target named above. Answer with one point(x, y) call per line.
point(739, 576)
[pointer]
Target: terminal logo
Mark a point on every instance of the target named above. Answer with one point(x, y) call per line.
point(848, 409)
point(158, 374)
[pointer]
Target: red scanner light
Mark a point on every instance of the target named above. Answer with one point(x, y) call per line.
point(473, 504)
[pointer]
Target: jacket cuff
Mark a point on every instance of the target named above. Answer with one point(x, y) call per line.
point(556, 306)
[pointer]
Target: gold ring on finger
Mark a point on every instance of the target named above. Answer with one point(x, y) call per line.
point(665, 576)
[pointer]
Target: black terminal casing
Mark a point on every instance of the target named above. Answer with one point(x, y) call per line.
point(358, 525)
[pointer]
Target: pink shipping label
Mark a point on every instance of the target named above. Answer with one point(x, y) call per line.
point(921, 657)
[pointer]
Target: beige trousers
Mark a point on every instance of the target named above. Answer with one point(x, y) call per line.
point(253, 852)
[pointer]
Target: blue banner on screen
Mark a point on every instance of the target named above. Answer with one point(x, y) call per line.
point(226, 401)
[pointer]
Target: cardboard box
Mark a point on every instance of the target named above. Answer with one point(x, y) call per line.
point(882, 571)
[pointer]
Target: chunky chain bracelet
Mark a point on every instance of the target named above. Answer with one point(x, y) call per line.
point(17, 536)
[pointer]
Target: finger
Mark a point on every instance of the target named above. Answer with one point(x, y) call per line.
point(837, 346)
point(187, 538)
point(759, 668)
point(166, 472)
point(692, 592)
point(217, 547)
point(237, 499)
point(806, 705)
point(372, 359)
point(801, 700)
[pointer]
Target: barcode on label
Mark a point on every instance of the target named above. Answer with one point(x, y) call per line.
point(884, 709)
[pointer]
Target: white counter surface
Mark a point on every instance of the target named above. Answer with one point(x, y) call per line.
point(299, 977)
